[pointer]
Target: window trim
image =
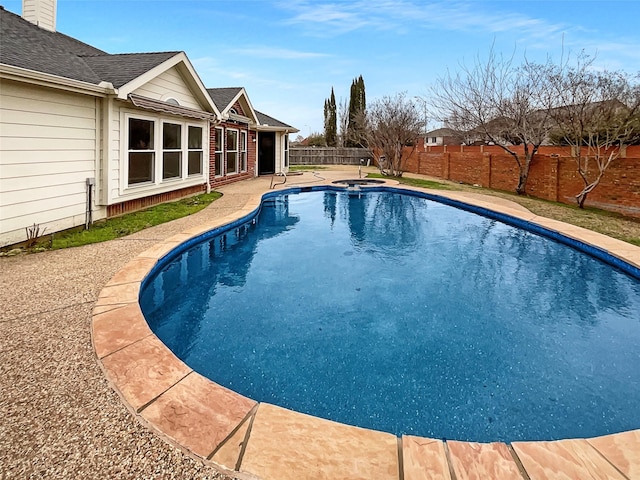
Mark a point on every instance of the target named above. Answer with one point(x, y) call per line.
point(159, 184)
point(228, 151)
point(201, 149)
point(180, 150)
point(243, 151)
point(127, 151)
point(219, 150)
point(285, 139)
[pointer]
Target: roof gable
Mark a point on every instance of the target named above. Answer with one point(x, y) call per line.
point(120, 69)
point(225, 99)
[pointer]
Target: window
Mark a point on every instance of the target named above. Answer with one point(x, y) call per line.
point(141, 151)
point(243, 151)
point(286, 150)
point(160, 150)
point(219, 152)
point(232, 151)
point(171, 151)
point(194, 145)
point(434, 139)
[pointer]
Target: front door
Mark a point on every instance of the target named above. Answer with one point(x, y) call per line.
point(266, 153)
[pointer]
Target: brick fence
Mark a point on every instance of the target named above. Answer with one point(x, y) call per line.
point(553, 175)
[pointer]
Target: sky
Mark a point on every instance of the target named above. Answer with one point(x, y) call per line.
point(290, 54)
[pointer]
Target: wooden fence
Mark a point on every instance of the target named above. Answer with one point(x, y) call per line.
point(328, 156)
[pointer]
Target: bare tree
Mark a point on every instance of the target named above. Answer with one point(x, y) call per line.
point(391, 125)
point(597, 113)
point(498, 102)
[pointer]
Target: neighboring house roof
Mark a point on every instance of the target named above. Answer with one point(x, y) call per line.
point(269, 123)
point(443, 132)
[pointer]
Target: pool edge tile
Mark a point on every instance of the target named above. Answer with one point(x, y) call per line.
point(622, 450)
point(424, 458)
point(228, 454)
point(564, 459)
point(198, 413)
point(118, 328)
point(123, 293)
point(143, 370)
point(159, 250)
point(287, 445)
point(134, 271)
point(479, 461)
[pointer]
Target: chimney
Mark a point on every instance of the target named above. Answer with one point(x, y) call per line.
point(41, 13)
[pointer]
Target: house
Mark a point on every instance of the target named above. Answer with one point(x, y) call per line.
point(246, 142)
point(86, 135)
point(443, 136)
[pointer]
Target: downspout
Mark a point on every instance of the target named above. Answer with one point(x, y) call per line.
point(103, 110)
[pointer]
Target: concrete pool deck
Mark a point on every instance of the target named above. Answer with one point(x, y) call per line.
point(60, 418)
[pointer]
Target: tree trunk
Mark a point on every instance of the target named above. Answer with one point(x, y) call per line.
point(522, 179)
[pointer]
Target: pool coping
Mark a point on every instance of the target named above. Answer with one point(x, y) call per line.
point(254, 440)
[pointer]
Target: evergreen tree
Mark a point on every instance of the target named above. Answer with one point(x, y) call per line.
point(330, 121)
point(357, 106)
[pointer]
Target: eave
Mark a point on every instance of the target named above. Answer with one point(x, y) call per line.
point(33, 77)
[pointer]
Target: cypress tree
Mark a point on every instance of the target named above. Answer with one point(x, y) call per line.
point(330, 121)
point(357, 105)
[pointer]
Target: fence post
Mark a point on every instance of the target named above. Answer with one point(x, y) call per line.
point(446, 157)
point(486, 170)
point(553, 177)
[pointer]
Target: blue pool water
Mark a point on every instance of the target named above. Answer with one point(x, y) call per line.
point(401, 314)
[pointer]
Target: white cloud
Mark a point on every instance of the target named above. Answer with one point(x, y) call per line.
point(332, 19)
point(278, 53)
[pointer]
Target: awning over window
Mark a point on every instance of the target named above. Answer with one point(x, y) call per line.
point(239, 118)
point(164, 107)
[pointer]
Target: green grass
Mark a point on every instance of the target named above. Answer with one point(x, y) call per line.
point(127, 224)
point(414, 182)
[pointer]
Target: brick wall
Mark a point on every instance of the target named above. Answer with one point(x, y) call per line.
point(553, 174)
point(140, 203)
point(251, 155)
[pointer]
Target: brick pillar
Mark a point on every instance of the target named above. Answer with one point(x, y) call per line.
point(553, 177)
point(485, 179)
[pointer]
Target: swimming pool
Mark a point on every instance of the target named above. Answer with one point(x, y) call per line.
point(327, 306)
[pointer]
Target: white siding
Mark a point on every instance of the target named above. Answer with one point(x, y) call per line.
point(169, 84)
point(47, 150)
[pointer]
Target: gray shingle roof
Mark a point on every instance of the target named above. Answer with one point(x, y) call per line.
point(120, 69)
point(222, 97)
point(28, 46)
point(272, 122)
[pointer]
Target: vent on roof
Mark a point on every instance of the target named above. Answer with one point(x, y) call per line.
point(41, 13)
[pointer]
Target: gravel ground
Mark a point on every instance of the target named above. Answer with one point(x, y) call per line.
point(59, 417)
